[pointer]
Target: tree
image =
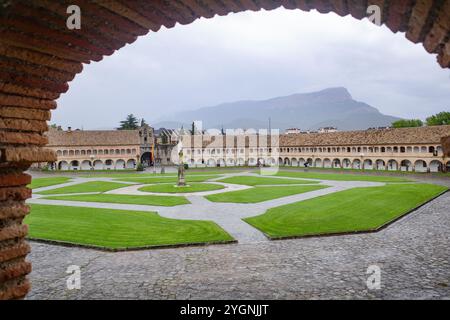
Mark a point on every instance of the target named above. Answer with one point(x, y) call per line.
point(193, 129)
point(439, 119)
point(405, 123)
point(130, 123)
point(143, 122)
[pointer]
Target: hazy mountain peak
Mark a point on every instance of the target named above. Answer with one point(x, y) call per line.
point(328, 107)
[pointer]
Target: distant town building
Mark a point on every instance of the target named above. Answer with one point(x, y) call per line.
point(327, 130)
point(293, 131)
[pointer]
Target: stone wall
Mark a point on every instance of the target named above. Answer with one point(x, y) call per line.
point(39, 55)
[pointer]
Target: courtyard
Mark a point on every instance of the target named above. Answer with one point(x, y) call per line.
point(219, 231)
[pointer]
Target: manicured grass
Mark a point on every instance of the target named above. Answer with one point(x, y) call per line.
point(257, 181)
point(150, 200)
point(47, 182)
point(259, 194)
point(171, 188)
point(173, 179)
point(359, 209)
point(117, 229)
point(340, 177)
point(91, 186)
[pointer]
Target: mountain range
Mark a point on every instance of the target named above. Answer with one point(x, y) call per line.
point(332, 107)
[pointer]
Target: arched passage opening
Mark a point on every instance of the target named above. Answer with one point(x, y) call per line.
point(44, 56)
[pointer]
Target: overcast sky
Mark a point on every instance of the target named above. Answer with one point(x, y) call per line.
point(256, 55)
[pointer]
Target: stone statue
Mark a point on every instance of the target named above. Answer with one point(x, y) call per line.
point(181, 180)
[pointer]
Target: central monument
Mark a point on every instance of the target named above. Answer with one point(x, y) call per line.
point(181, 180)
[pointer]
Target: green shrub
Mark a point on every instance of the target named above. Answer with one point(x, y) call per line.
point(140, 167)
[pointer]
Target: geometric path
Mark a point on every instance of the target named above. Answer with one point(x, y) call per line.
point(227, 215)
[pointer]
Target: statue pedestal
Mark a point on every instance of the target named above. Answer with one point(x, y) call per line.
point(181, 179)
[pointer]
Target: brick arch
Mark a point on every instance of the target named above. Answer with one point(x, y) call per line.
point(39, 56)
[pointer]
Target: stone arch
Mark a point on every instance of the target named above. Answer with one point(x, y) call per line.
point(241, 162)
point(287, 162)
point(301, 162)
point(86, 165)
point(336, 163)
point(380, 165)
point(346, 163)
point(294, 162)
point(59, 58)
point(368, 164)
point(406, 165)
point(436, 166)
point(356, 164)
point(318, 163)
point(327, 163)
point(109, 164)
point(131, 164)
point(392, 165)
point(211, 163)
point(420, 166)
point(74, 165)
point(98, 165)
point(120, 164)
point(63, 166)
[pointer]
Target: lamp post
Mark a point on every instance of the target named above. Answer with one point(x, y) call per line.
point(92, 161)
point(362, 161)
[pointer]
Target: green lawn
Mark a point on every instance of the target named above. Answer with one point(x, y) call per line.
point(171, 188)
point(340, 177)
point(117, 229)
point(162, 179)
point(359, 209)
point(257, 181)
point(259, 194)
point(150, 200)
point(86, 187)
point(47, 182)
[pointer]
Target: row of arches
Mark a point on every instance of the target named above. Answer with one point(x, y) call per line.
point(109, 164)
point(88, 152)
point(358, 150)
point(367, 164)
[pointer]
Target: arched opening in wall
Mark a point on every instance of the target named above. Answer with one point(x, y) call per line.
point(356, 164)
point(436, 166)
point(337, 163)
point(63, 166)
point(420, 166)
point(392, 165)
point(318, 163)
point(98, 165)
point(346, 164)
point(380, 165)
point(86, 165)
point(147, 159)
point(74, 165)
point(406, 165)
point(368, 164)
point(63, 55)
point(326, 163)
point(131, 164)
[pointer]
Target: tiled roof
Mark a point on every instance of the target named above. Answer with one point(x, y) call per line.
point(93, 138)
point(399, 136)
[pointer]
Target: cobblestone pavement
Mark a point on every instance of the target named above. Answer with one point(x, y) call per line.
point(413, 255)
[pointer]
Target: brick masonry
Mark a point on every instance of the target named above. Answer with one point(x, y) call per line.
point(39, 56)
